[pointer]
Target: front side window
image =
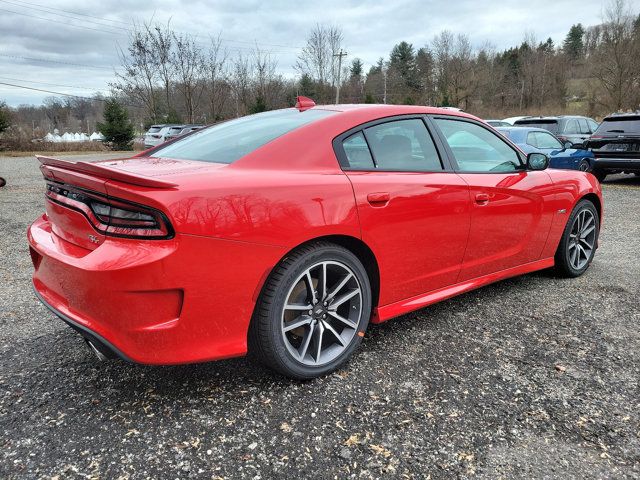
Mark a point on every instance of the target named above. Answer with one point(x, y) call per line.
point(231, 140)
point(403, 145)
point(476, 149)
point(543, 140)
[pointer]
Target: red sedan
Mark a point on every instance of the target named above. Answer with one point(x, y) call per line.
point(285, 233)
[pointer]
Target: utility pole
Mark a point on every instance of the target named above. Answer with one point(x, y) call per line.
point(340, 54)
point(384, 96)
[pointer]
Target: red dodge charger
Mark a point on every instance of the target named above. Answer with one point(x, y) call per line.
point(285, 233)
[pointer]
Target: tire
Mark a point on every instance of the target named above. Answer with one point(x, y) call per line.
point(584, 165)
point(3, 182)
point(574, 255)
point(600, 175)
point(287, 339)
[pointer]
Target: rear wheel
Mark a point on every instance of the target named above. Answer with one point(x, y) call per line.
point(312, 313)
point(578, 243)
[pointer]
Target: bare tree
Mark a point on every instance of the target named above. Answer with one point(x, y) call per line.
point(616, 60)
point(140, 75)
point(240, 81)
point(189, 65)
point(267, 82)
point(317, 58)
point(216, 75)
point(161, 41)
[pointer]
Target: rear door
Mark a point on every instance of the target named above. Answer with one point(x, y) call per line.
point(511, 209)
point(413, 209)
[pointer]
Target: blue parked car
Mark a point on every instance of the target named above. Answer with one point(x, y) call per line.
point(539, 140)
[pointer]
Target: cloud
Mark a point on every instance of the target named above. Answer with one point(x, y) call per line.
point(92, 35)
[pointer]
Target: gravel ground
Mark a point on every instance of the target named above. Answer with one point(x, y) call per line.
point(532, 377)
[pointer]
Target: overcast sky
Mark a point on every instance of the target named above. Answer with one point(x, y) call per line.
point(83, 36)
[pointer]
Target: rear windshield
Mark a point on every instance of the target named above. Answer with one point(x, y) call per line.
point(154, 129)
point(229, 141)
point(551, 125)
point(611, 126)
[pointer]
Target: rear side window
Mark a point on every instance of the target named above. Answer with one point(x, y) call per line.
point(571, 127)
point(229, 141)
point(551, 125)
point(403, 145)
point(357, 152)
point(619, 125)
point(584, 126)
point(542, 140)
point(476, 149)
point(154, 129)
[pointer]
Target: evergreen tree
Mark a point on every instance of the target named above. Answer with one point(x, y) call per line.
point(117, 128)
point(306, 86)
point(5, 117)
point(356, 70)
point(403, 60)
point(259, 105)
point(369, 98)
point(573, 44)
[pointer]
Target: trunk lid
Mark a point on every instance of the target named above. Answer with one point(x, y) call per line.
point(82, 204)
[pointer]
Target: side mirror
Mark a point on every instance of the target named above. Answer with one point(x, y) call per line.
point(567, 145)
point(537, 161)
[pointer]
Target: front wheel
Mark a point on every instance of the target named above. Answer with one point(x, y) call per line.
point(584, 166)
point(579, 240)
point(312, 313)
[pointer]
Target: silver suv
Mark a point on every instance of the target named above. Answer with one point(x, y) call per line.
point(181, 130)
point(157, 133)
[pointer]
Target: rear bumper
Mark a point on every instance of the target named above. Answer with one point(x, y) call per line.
point(102, 344)
point(621, 164)
point(184, 300)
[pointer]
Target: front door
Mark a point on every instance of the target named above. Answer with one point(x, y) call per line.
point(511, 208)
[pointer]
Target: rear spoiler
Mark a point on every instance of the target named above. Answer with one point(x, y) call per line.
point(101, 171)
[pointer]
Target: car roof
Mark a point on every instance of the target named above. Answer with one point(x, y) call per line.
point(623, 116)
point(522, 129)
point(551, 117)
point(379, 110)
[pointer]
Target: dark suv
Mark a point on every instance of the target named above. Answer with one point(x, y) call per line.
point(568, 128)
point(616, 145)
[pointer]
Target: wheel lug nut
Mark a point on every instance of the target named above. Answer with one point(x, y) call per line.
point(310, 312)
point(324, 315)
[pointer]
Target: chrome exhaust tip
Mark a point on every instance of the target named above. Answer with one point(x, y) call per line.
point(101, 356)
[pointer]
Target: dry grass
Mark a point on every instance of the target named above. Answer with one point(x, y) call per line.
point(21, 148)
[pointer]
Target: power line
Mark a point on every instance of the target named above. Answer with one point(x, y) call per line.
point(47, 83)
point(59, 14)
point(57, 21)
point(53, 10)
point(32, 59)
point(96, 99)
point(74, 13)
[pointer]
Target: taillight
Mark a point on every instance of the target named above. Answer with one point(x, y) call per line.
point(112, 216)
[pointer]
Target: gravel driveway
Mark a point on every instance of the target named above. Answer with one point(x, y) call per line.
point(531, 377)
